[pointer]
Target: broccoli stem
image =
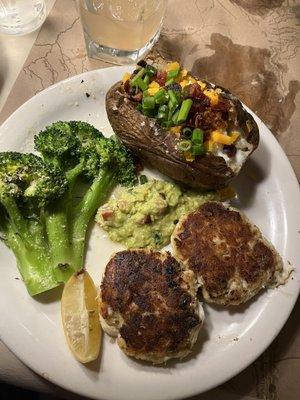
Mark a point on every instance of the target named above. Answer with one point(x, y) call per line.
point(18, 222)
point(72, 174)
point(84, 211)
point(59, 240)
point(35, 268)
point(57, 223)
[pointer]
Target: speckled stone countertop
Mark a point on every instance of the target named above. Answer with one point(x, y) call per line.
point(248, 46)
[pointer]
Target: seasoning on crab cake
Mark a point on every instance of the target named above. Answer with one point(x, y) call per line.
point(229, 255)
point(148, 301)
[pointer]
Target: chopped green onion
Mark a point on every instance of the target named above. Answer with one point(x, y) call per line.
point(187, 132)
point(197, 136)
point(175, 116)
point(148, 103)
point(167, 124)
point(161, 97)
point(140, 74)
point(169, 82)
point(173, 98)
point(147, 79)
point(163, 112)
point(143, 179)
point(172, 74)
point(198, 150)
point(184, 145)
point(141, 84)
point(184, 110)
point(150, 70)
point(172, 109)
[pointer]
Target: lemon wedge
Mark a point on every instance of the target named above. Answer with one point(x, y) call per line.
point(80, 319)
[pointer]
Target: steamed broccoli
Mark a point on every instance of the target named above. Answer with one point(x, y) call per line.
point(41, 218)
point(28, 187)
point(80, 150)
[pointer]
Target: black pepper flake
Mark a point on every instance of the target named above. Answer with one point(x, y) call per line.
point(82, 81)
point(87, 94)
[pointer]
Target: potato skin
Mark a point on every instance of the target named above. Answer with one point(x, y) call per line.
point(158, 147)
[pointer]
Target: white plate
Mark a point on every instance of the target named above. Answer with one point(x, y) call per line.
point(231, 338)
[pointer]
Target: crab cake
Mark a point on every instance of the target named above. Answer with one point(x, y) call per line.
point(148, 300)
point(228, 254)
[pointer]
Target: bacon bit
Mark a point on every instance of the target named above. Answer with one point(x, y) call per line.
point(208, 120)
point(196, 92)
point(142, 63)
point(161, 77)
point(223, 105)
point(107, 214)
point(145, 220)
point(126, 86)
point(137, 97)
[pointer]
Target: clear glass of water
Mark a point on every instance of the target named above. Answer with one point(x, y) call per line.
point(121, 31)
point(19, 17)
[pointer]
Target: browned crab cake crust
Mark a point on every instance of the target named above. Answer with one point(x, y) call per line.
point(229, 255)
point(149, 301)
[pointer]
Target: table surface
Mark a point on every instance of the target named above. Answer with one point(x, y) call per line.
point(250, 47)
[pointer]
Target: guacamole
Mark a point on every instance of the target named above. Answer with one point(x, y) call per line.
point(146, 215)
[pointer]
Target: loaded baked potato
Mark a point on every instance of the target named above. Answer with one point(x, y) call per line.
point(189, 129)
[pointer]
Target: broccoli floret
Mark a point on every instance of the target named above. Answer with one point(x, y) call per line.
point(103, 162)
point(41, 219)
point(28, 187)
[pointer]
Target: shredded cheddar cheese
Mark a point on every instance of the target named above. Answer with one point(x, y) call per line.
point(176, 129)
point(126, 76)
point(202, 85)
point(189, 157)
point(219, 137)
point(234, 136)
point(184, 83)
point(153, 88)
point(209, 145)
point(172, 66)
point(213, 96)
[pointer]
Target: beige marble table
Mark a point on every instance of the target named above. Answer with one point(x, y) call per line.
point(249, 46)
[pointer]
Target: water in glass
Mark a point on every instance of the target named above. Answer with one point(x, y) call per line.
point(121, 31)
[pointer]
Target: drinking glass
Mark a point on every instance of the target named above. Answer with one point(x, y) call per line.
point(121, 31)
point(19, 17)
